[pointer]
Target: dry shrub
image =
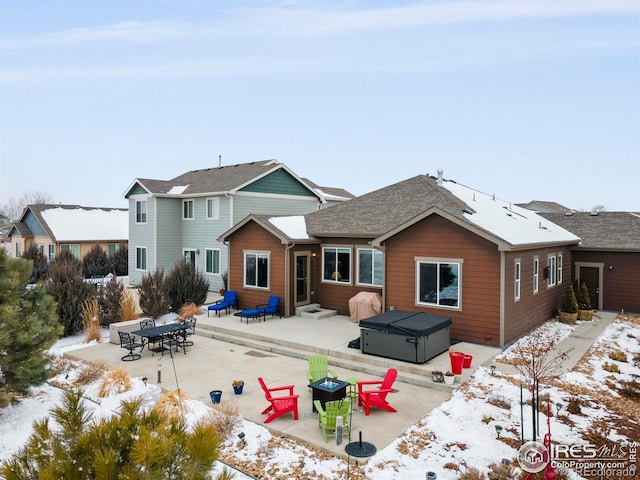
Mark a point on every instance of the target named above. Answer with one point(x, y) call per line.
point(128, 307)
point(512, 442)
point(225, 418)
point(630, 389)
point(170, 404)
point(502, 471)
point(500, 402)
point(611, 367)
point(115, 382)
point(473, 473)
point(91, 320)
point(62, 365)
point(90, 372)
point(598, 432)
point(574, 406)
point(451, 466)
point(618, 356)
point(189, 309)
point(487, 419)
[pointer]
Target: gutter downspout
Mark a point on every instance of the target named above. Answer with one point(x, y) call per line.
point(287, 279)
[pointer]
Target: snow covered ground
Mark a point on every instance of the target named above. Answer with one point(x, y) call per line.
point(458, 435)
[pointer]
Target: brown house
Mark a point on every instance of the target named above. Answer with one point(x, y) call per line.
point(426, 245)
point(54, 228)
point(607, 258)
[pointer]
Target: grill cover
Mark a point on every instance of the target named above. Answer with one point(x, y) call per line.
point(364, 304)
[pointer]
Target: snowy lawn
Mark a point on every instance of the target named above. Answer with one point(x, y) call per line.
point(456, 437)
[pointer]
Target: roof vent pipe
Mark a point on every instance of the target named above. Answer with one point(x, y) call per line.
point(440, 172)
point(219, 161)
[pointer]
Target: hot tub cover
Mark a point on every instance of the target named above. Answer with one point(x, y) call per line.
point(406, 323)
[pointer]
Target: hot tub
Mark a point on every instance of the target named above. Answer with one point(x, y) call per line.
point(409, 336)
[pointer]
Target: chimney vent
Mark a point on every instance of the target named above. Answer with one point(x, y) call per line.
point(439, 181)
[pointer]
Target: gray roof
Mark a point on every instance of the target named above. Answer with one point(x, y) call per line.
point(601, 231)
point(380, 211)
point(334, 192)
point(542, 206)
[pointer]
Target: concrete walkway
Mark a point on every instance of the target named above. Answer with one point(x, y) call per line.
point(226, 348)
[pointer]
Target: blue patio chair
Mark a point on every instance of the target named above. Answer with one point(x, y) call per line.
point(229, 301)
point(270, 308)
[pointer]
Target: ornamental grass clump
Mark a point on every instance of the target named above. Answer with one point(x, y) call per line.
point(170, 404)
point(91, 320)
point(115, 382)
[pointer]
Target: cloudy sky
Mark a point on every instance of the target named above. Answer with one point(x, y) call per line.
point(528, 100)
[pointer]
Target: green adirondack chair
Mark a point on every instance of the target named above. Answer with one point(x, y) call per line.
point(327, 417)
point(318, 368)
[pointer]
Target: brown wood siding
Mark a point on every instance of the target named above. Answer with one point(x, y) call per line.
point(436, 237)
point(336, 296)
point(621, 284)
point(532, 309)
point(254, 238)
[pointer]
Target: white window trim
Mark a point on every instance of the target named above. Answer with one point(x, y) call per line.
point(215, 201)
point(551, 265)
point(193, 209)
point(517, 278)
point(146, 211)
point(337, 281)
point(244, 269)
point(206, 251)
point(536, 274)
point(559, 265)
point(418, 261)
point(357, 279)
point(146, 259)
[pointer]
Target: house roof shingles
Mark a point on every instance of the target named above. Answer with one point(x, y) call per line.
point(380, 212)
point(602, 231)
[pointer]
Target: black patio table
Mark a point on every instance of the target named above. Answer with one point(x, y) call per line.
point(328, 389)
point(162, 331)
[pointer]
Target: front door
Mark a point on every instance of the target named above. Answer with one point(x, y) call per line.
point(302, 278)
point(591, 277)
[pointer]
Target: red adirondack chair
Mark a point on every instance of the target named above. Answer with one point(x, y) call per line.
point(281, 404)
point(377, 397)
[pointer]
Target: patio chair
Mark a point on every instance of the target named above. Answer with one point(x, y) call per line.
point(190, 331)
point(129, 343)
point(279, 405)
point(177, 340)
point(327, 417)
point(318, 368)
point(228, 301)
point(377, 397)
point(271, 307)
point(149, 323)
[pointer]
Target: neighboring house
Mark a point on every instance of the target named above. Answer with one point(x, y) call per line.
point(5, 224)
point(183, 217)
point(544, 207)
point(54, 228)
point(607, 258)
point(426, 245)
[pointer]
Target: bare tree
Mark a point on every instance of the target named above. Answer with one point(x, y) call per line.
point(15, 205)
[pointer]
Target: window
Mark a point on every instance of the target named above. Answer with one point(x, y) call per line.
point(336, 265)
point(112, 248)
point(41, 249)
point(190, 257)
point(141, 211)
point(256, 270)
point(74, 248)
point(141, 258)
point(516, 280)
point(213, 208)
point(52, 252)
point(187, 209)
point(212, 260)
point(536, 274)
point(559, 278)
point(551, 264)
point(17, 249)
point(438, 283)
point(370, 263)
